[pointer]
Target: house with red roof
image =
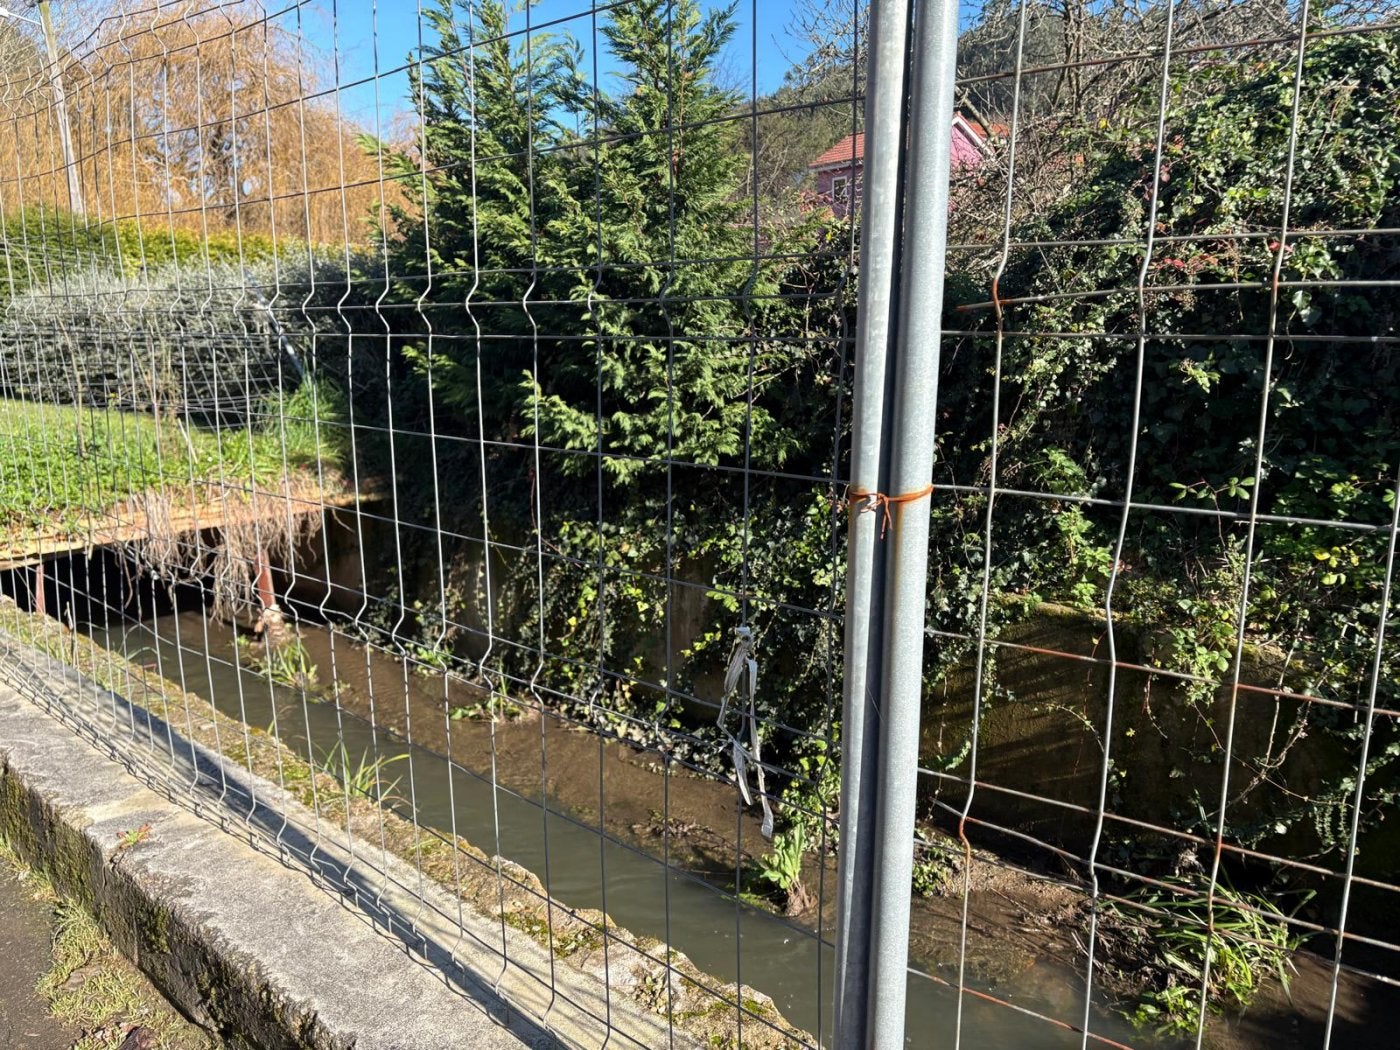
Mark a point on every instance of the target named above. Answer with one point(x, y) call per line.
point(838, 171)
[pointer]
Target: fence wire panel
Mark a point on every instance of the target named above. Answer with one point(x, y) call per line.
point(428, 427)
point(1160, 681)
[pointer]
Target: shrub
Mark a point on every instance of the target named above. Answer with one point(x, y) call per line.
point(1249, 943)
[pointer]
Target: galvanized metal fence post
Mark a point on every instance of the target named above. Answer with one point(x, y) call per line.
point(903, 239)
point(880, 220)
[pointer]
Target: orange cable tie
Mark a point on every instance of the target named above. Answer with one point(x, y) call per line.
point(875, 501)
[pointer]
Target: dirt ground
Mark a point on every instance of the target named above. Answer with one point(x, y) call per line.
point(26, 926)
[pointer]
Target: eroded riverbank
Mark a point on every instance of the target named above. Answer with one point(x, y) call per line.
point(534, 789)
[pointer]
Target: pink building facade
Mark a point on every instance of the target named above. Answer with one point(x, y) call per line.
point(838, 171)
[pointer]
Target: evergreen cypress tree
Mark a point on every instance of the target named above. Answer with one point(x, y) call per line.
point(622, 219)
point(493, 106)
point(661, 219)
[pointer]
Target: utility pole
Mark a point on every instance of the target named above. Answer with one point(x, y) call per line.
point(60, 103)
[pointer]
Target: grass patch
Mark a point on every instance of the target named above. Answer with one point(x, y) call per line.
point(285, 663)
point(563, 942)
point(65, 463)
point(365, 778)
point(1171, 930)
point(93, 987)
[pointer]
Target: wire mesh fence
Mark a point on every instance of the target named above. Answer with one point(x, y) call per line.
point(449, 438)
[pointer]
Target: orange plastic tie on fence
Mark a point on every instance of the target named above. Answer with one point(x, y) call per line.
point(876, 501)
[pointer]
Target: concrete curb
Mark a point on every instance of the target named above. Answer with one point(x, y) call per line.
point(243, 942)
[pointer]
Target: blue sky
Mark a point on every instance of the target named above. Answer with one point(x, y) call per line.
point(387, 31)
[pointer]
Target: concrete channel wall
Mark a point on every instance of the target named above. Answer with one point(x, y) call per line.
point(247, 942)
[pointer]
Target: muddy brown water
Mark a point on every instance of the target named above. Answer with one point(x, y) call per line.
point(536, 793)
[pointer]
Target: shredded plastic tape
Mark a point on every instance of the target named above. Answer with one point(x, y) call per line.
point(741, 683)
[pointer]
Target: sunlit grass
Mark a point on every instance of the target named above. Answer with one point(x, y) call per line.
point(61, 464)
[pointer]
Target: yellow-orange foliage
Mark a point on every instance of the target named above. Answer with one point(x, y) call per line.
point(198, 115)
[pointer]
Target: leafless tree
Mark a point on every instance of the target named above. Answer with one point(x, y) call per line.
point(202, 114)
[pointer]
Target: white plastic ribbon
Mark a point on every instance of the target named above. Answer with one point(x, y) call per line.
point(743, 665)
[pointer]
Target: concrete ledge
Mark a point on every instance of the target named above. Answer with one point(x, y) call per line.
point(194, 908)
point(243, 941)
